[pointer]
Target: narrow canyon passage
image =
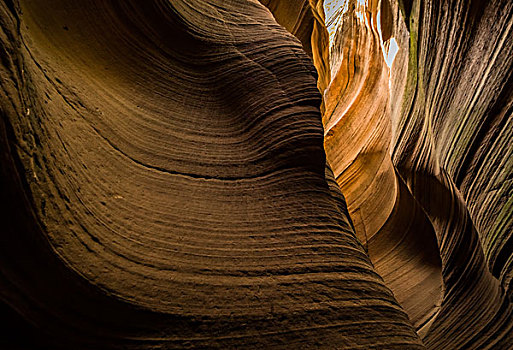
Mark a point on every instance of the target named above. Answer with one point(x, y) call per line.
point(256, 174)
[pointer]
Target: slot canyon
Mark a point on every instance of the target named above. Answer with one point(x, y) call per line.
point(244, 174)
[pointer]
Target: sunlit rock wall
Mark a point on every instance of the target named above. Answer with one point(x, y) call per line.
point(428, 123)
point(164, 181)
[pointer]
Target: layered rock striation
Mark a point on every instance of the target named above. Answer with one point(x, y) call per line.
point(174, 172)
point(418, 139)
point(165, 175)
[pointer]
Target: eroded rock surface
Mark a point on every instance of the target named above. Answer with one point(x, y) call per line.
point(429, 135)
point(165, 183)
point(164, 172)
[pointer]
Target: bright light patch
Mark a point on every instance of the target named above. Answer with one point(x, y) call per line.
point(334, 11)
point(393, 48)
point(390, 47)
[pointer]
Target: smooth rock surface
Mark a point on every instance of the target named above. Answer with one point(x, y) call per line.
point(429, 128)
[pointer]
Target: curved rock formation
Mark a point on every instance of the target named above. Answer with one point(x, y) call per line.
point(165, 183)
point(436, 120)
point(305, 19)
point(455, 92)
point(399, 238)
point(164, 164)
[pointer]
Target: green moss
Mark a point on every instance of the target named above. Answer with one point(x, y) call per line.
point(414, 87)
